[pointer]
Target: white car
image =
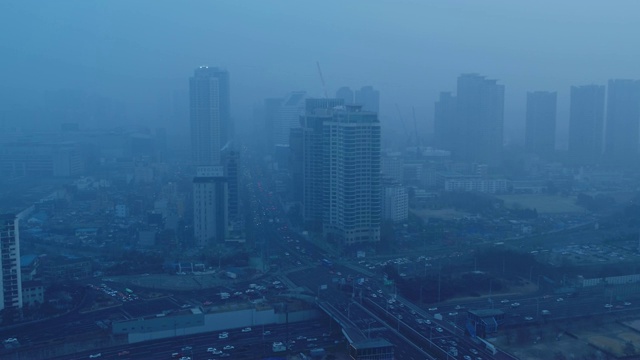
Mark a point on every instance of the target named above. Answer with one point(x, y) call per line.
point(608, 306)
point(211, 350)
point(93, 356)
point(228, 347)
point(515, 304)
point(433, 309)
point(559, 299)
point(223, 336)
point(626, 303)
point(528, 318)
point(247, 329)
point(439, 329)
point(504, 301)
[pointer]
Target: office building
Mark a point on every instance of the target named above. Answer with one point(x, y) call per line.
point(346, 94)
point(10, 280)
point(210, 204)
point(296, 165)
point(540, 123)
point(623, 121)
point(231, 172)
point(368, 98)
point(479, 120)
point(271, 110)
point(586, 124)
point(209, 114)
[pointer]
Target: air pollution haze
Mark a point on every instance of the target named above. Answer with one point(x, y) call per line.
point(135, 56)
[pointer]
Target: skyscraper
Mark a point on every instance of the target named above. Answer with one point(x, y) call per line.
point(623, 121)
point(540, 123)
point(209, 114)
point(586, 121)
point(352, 202)
point(10, 282)
point(346, 94)
point(444, 122)
point(341, 171)
point(317, 111)
point(479, 120)
point(368, 98)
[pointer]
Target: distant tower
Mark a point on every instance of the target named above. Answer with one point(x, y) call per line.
point(479, 120)
point(346, 94)
point(586, 124)
point(540, 123)
point(368, 98)
point(444, 122)
point(209, 114)
point(623, 121)
point(10, 278)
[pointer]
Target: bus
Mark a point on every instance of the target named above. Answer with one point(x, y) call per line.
point(327, 263)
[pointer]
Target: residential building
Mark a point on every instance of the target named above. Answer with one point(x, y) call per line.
point(395, 202)
point(368, 98)
point(540, 123)
point(586, 124)
point(210, 204)
point(623, 121)
point(444, 122)
point(346, 94)
point(10, 279)
point(479, 120)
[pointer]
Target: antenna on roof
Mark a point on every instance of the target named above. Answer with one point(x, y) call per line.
point(324, 87)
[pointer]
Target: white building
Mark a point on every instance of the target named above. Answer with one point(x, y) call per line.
point(210, 219)
point(395, 203)
point(10, 280)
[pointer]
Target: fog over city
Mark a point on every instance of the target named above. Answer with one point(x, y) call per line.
point(331, 180)
point(138, 53)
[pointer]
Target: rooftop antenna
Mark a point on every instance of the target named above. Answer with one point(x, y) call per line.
point(324, 87)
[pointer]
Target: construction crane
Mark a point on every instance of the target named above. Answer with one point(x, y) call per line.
point(324, 86)
point(415, 127)
point(404, 126)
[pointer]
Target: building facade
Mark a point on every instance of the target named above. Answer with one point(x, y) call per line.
point(10, 280)
point(210, 204)
point(586, 124)
point(209, 114)
point(395, 203)
point(623, 121)
point(540, 123)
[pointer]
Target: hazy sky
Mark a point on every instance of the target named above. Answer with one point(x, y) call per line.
point(139, 52)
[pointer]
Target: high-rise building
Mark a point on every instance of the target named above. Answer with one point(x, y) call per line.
point(271, 110)
point(586, 124)
point(317, 111)
point(346, 94)
point(395, 202)
point(540, 123)
point(10, 279)
point(444, 122)
point(210, 206)
point(351, 186)
point(368, 98)
point(341, 171)
point(296, 154)
point(479, 120)
point(231, 172)
point(289, 116)
point(209, 113)
point(623, 121)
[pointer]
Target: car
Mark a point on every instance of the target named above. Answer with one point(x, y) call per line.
point(466, 357)
point(247, 329)
point(185, 358)
point(266, 332)
point(187, 348)
point(453, 313)
point(528, 318)
point(124, 352)
point(211, 349)
point(300, 337)
point(504, 301)
point(93, 356)
point(229, 347)
point(439, 329)
point(433, 309)
point(428, 322)
point(515, 304)
point(473, 351)
point(223, 335)
point(559, 299)
point(608, 306)
point(175, 355)
point(626, 303)
point(459, 307)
